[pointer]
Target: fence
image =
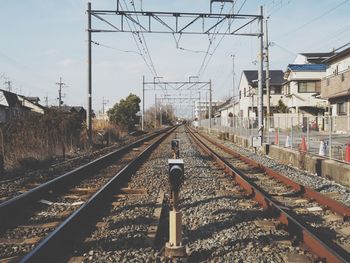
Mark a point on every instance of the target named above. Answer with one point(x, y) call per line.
point(319, 135)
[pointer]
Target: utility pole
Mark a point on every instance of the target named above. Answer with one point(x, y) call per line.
point(143, 103)
point(60, 85)
point(155, 110)
point(89, 100)
point(233, 76)
point(210, 104)
point(260, 77)
point(104, 103)
point(160, 116)
point(47, 101)
point(267, 65)
point(8, 83)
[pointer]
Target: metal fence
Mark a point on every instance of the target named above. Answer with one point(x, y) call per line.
point(317, 135)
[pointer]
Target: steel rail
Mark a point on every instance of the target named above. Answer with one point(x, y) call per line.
point(320, 247)
point(333, 205)
point(14, 207)
point(62, 238)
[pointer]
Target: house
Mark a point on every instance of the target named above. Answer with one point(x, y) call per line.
point(248, 91)
point(14, 105)
point(72, 109)
point(201, 108)
point(335, 87)
point(302, 88)
point(312, 58)
point(228, 112)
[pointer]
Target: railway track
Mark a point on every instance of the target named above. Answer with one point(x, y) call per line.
point(36, 222)
point(220, 222)
point(118, 209)
point(320, 223)
point(16, 185)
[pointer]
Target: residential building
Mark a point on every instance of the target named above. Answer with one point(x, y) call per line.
point(248, 92)
point(312, 58)
point(302, 88)
point(14, 105)
point(201, 108)
point(72, 109)
point(228, 112)
point(335, 87)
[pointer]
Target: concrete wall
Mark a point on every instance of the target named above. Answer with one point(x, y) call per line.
point(335, 84)
point(333, 170)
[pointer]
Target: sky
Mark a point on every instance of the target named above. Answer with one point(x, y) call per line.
point(43, 40)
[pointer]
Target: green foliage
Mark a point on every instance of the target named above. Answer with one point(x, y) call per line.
point(281, 107)
point(124, 112)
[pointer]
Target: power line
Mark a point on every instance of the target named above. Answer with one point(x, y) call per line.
point(222, 37)
point(144, 39)
point(117, 49)
point(315, 18)
point(138, 47)
point(213, 38)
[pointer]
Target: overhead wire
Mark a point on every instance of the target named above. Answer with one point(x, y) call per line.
point(210, 43)
point(139, 48)
point(144, 39)
point(117, 49)
point(222, 37)
point(315, 18)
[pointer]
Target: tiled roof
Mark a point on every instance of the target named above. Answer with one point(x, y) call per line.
point(276, 77)
point(307, 67)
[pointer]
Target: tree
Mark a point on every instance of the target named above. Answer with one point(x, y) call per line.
point(124, 112)
point(281, 107)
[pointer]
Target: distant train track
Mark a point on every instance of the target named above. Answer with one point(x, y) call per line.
point(310, 217)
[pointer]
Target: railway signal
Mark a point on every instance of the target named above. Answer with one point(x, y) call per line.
point(175, 248)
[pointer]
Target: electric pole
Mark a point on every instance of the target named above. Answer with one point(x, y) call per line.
point(8, 83)
point(260, 77)
point(89, 87)
point(104, 103)
point(60, 85)
point(233, 76)
point(47, 101)
point(267, 65)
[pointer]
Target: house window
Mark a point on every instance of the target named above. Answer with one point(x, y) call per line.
point(341, 108)
point(240, 94)
point(286, 89)
point(342, 77)
point(244, 92)
point(276, 90)
point(307, 87)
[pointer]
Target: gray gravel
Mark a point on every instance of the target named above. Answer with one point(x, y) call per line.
point(220, 223)
point(320, 184)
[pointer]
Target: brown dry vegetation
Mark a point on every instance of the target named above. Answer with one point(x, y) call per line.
point(34, 138)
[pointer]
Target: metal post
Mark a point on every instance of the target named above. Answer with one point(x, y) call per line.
point(199, 109)
point(233, 77)
point(330, 137)
point(160, 116)
point(267, 83)
point(89, 110)
point(291, 133)
point(210, 104)
point(278, 131)
point(155, 110)
point(260, 77)
point(143, 103)
point(308, 134)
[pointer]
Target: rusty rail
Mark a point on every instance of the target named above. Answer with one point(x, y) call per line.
point(319, 246)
